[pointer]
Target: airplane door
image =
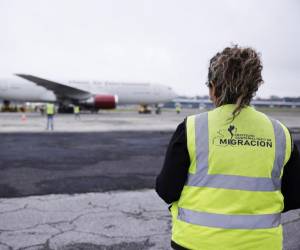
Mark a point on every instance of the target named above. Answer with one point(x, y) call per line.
point(157, 94)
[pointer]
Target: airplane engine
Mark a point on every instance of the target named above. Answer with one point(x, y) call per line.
point(105, 101)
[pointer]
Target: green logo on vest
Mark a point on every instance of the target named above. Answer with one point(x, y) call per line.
point(230, 137)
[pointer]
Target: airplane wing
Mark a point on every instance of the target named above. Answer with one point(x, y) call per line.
point(62, 91)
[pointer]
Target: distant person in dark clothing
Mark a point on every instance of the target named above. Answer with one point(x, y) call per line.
point(50, 110)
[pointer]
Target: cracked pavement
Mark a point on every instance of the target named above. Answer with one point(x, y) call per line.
point(116, 220)
point(132, 220)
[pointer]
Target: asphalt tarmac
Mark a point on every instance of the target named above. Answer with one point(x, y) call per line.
point(68, 163)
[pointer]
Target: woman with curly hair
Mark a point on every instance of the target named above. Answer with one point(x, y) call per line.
point(230, 172)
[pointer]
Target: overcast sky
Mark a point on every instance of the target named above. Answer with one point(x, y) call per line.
point(162, 41)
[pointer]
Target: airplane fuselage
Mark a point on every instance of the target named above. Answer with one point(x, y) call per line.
point(18, 89)
point(128, 93)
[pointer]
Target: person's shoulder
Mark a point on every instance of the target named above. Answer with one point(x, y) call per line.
point(182, 125)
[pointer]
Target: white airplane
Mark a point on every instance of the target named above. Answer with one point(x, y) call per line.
point(92, 94)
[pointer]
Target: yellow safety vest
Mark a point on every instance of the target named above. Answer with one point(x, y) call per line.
point(232, 198)
point(50, 109)
point(76, 110)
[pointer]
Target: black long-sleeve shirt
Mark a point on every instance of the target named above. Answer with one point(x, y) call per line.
point(173, 175)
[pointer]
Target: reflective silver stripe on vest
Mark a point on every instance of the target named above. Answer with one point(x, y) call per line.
point(202, 179)
point(232, 182)
point(229, 221)
point(280, 146)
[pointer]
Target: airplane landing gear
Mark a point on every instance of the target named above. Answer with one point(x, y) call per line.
point(65, 109)
point(157, 109)
point(6, 107)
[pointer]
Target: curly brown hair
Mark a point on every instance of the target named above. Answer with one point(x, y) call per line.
point(235, 73)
